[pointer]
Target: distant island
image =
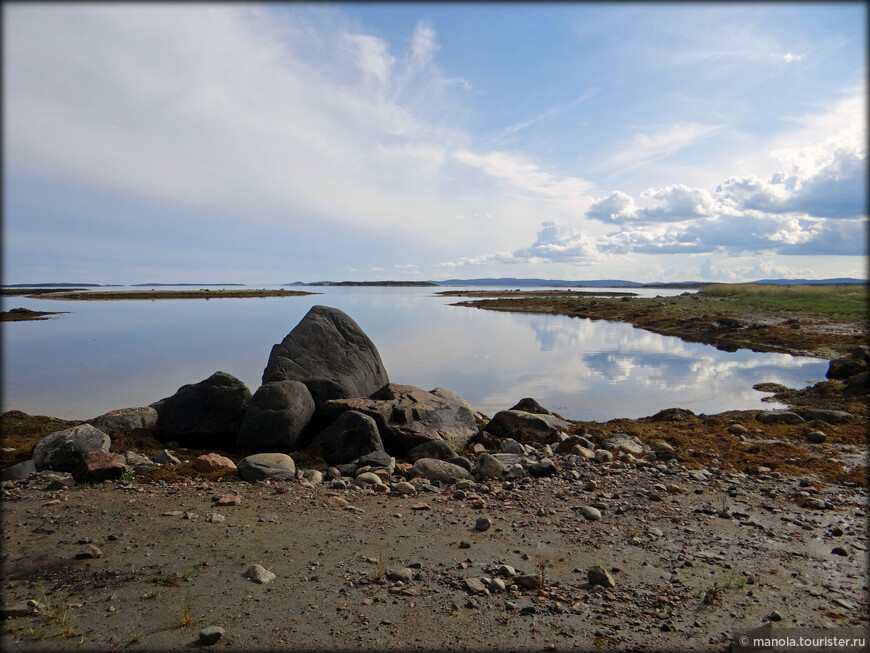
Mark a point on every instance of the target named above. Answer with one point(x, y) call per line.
point(563, 283)
point(198, 285)
point(365, 283)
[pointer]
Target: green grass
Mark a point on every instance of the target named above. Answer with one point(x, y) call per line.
point(849, 300)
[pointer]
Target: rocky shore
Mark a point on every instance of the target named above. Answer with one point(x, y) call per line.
point(333, 510)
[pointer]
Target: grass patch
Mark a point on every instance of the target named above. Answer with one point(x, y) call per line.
point(825, 300)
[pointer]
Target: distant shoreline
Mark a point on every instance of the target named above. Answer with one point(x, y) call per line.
point(110, 295)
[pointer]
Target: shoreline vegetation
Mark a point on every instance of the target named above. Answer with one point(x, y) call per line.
point(812, 320)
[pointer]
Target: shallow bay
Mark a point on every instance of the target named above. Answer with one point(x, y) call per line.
point(106, 355)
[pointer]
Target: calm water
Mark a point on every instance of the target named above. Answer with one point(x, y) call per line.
point(107, 355)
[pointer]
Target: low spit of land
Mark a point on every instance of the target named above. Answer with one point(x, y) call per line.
point(79, 294)
point(820, 321)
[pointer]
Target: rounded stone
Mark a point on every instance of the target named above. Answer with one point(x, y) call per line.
point(483, 523)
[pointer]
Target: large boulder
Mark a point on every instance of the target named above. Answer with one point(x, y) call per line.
point(528, 427)
point(126, 420)
point(205, 415)
point(352, 435)
point(62, 451)
point(408, 416)
point(439, 470)
point(276, 417)
point(260, 466)
point(329, 353)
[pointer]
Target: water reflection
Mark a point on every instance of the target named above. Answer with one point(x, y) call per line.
point(106, 355)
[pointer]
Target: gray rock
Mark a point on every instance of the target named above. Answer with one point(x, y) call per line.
point(461, 461)
point(329, 353)
point(62, 451)
point(439, 470)
point(487, 465)
point(496, 585)
point(261, 466)
point(829, 416)
point(509, 445)
point(600, 576)
point(57, 480)
point(19, 471)
point(590, 513)
point(543, 468)
point(368, 478)
point(377, 460)
point(126, 420)
point(205, 415)
point(514, 472)
point(603, 456)
point(567, 445)
point(775, 616)
point(779, 417)
point(259, 574)
point(211, 635)
point(508, 459)
point(408, 416)
point(133, 458)
point(313, 476)
point(507, 571)
point(623, 442)
point(816, 437)
point(529, 405)
point(403, 487)
point(482, 523)
point(275, 418)
point(351, 435)
point(840, 551)
point(527, 427)
point(474, 586)
point(166, 457)
point(528, 581)
point(432, 449)
point(405, 575)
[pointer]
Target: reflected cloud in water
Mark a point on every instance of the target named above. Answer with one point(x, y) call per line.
point(106, 355)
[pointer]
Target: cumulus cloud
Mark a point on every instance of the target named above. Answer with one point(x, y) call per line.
point(788, 57)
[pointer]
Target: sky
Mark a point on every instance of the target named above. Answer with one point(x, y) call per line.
point(262, 144)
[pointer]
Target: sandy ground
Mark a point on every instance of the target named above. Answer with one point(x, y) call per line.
point(693, 561)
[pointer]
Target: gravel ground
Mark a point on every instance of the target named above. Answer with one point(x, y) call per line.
point(694, 557)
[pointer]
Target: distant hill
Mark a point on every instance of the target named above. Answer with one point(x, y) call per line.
point(513, 282)
point(810, 282)
point(198, 285)
point(533, 283)
point(373, 283)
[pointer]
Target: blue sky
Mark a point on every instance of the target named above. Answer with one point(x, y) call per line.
point(214, 143)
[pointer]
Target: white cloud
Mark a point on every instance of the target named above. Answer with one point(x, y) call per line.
point(648, 148)
point(788, 57)
point(229, 108)
point(525, 175)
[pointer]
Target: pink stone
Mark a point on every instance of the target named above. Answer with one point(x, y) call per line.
point(98, 466)
point(212, 462)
